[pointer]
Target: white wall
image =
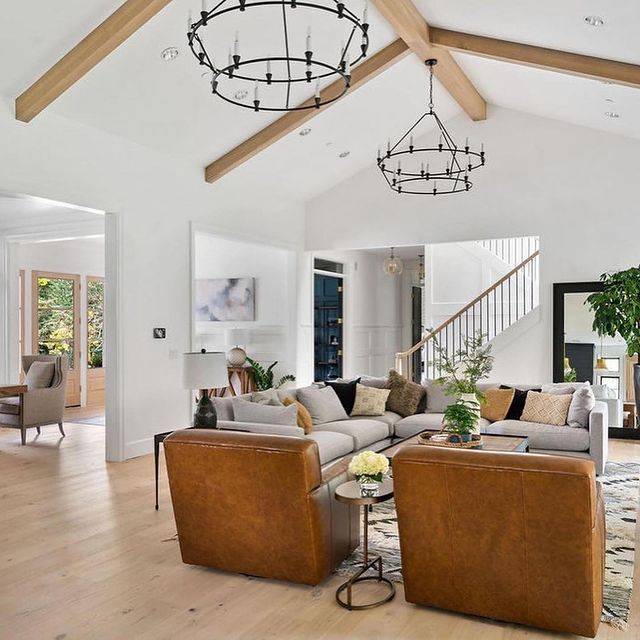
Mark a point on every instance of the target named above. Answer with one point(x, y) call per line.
point(272, 336)
point(572, 186)
point(155, 197)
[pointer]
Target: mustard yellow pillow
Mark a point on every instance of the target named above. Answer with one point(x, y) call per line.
point(304, 417)
point(497, 403)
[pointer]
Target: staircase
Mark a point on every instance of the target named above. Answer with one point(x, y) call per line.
point(496, 309)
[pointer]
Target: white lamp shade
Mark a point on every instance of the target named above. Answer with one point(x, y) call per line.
point(235, 337)
point(204, 371)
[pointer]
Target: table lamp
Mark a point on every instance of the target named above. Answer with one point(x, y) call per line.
point(204, 371)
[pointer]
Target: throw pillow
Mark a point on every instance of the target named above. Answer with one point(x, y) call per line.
point(583, 400)
point(40, 375)
point(269, 396)
point(497, 404)
point(323, 404)
point(405, 396)
point(224, 408)
point(346, 392)
point(303, 416)
point(546, 408)
point(246, 411)
point(377, 382)
point(437, 399)
point(518, 402)
point(370, 401)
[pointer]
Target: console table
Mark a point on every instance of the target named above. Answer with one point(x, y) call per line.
point(244, 375)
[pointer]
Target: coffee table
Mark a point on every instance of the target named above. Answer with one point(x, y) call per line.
point(515, 444)
point(350, 493)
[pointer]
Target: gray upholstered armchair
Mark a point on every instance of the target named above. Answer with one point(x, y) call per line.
point(38, 406)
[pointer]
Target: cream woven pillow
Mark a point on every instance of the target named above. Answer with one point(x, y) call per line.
point(546, 408)
point(370, 401)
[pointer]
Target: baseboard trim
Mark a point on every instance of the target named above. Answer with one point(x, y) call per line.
point(138, 448)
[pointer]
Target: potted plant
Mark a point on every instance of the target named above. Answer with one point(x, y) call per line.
point(263, 378)
point(616, 310)
point(464, 368)
point(460, 419)
point(369, 468)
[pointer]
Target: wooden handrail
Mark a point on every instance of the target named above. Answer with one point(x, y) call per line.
point(484, 294)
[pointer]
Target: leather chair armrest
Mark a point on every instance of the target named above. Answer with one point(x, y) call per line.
point(256, 427)
point(599, 435)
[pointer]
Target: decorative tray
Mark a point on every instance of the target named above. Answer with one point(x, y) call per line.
point(450, 440)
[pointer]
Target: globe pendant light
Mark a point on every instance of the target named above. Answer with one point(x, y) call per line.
point(435, 169)
point(393, 266)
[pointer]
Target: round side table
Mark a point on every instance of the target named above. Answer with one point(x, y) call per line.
point(350, 493)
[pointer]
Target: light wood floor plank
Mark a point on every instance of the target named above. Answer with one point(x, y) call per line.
point(84, 555)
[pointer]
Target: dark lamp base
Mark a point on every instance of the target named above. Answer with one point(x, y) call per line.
point(205, 416)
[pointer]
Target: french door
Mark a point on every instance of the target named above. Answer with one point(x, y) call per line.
point(55, 324)
point(95, 341)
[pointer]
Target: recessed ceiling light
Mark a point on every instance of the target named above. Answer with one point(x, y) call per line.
point(329, 144)
point(612, 114)
point(241, 95)
point(608, 99)
point(594, 21)
point(305, 132)
point(169, 54)
point(344, 154)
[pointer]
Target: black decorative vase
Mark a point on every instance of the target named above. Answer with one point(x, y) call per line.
point(205, 416)
point(636, 390)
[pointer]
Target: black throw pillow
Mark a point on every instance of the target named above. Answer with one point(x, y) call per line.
point(346, 392)
point(518, 402)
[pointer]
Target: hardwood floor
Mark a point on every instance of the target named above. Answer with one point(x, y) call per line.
point(83, 555)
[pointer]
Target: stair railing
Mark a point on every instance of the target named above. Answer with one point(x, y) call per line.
point(511, 250)
point(494, 310)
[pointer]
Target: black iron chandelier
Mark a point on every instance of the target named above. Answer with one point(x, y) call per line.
point(284, 71)
point(433, 170)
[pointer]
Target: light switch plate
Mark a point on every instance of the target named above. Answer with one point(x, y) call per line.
point(159, 333)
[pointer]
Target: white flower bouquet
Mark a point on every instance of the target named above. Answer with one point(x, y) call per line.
point(369, 466)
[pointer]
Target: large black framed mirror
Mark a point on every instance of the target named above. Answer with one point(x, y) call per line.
point(579, 355)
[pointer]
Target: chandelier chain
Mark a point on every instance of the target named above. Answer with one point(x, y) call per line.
point(431, 89)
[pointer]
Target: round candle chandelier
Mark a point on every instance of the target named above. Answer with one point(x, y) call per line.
point(281, 68)
point(431, 170)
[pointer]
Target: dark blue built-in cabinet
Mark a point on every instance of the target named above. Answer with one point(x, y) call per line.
point(328, 327)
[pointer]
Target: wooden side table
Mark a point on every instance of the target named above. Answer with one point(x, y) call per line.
point(244, 375)
point(350, 493)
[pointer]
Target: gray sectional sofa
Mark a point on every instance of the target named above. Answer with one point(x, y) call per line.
point(345, 437)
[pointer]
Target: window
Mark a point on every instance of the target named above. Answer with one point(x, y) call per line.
point(95, 322)
point(613, 364)
point(612, 382)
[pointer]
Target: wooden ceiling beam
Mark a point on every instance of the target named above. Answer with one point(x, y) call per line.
point(409, 24)
point(539, 57)
point(104, 39)
point(361, 74)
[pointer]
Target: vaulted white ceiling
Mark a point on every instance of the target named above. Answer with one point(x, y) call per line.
point(168, 106)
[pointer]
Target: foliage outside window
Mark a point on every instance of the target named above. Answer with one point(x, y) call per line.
point(95, 323)
point(55, 317)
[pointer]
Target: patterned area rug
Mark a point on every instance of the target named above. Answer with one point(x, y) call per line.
point(621, 487)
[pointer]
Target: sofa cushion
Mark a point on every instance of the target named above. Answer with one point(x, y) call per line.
point(519, 400)
point(322, 403)
point(369, 401)
point(40, 375)
point(437, 399)
point(224, 408)
point(303, 416)
point(346, 392)
point(388, 417)
point(546, 408)
point(497, 403)
point(376, 382)
point(269, 396)
point(412, 425)
point(583, 400)
point(363, 432)
point(543, 436)
point(245, 411)
point(405, 396)
point(332, 445)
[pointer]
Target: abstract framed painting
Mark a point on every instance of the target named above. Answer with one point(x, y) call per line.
point(225, 300)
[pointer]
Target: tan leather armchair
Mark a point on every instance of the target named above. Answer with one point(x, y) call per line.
point(257, 504)
point(515, 537)
point(38, 407)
